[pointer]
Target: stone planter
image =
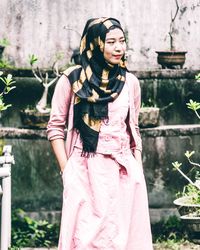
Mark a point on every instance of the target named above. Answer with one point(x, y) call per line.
point(193, 226)
point(185, 206)
point(149, 117)
point(34, 119)
point(190, 216)
point(171, 59)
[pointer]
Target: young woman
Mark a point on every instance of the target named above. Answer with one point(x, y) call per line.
point(104, 198)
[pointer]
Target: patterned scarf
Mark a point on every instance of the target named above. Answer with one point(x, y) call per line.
point(95, 82)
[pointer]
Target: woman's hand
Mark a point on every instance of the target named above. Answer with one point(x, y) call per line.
point(138, 157)
point(59, 151)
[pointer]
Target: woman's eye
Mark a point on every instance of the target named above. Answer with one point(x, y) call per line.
point(122, 41)
point(111, 42)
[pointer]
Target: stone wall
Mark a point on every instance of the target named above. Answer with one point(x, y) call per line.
point(36, 183)
point(53, 28)
point(170, 90)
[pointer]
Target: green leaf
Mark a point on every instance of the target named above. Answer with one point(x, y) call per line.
point(176, 164)
point(193, 105)
point(188, 154)
point(32, 59)
point(197, 77)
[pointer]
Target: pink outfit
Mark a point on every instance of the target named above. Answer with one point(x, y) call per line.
point(105, 204)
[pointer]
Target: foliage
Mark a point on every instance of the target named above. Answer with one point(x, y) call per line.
point(4, 63)
point(171, 229)
point(8, 82)
point(193, 105)
point(192, 189)
point(32, 59)
point(197, 77)
point(27, 232)
point(4, 42)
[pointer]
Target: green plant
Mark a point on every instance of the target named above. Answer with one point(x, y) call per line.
point(4, 42)
point(27, 232)
point(8, 82)
point(192, 189)
point(171, 229)
point(43, 78)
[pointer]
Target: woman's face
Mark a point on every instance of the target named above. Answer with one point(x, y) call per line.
point(115, 46)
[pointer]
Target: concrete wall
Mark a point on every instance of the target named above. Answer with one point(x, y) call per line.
point(36, 182)
point(48, 28)
point(37, 185)
point(163, 87)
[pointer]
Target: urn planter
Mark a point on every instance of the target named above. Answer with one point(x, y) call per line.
point(171, 59)
point(190, 216)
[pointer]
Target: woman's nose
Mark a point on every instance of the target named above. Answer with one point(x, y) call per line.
point(118, 47)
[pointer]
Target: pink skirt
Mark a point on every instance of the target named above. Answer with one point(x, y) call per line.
point(105, 204)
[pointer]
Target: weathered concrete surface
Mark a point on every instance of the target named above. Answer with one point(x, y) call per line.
point(50, 28)
point(37, 185)
point(149, 117)
point(170, 90)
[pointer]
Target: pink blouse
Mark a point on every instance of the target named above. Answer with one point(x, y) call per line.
point(113, 136)
point(62, 114)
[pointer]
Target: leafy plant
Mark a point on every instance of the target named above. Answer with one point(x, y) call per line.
point(8, 82)
point(171, 229)
point(193, 188)
point(27, 232)
point(43, 78)
point(4, 42)
point(193, 105)
point(197, 77)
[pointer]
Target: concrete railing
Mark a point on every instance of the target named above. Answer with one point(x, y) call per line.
point(5, 191)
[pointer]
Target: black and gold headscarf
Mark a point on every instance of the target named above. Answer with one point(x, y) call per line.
point(95, 82)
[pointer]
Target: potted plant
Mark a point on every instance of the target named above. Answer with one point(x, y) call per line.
point(172, 58)
point(188, 203)
point(38, 116)
point(7, 87)
point(7, 82)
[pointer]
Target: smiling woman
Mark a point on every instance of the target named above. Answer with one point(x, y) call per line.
point(105, 202)
point(115, 46)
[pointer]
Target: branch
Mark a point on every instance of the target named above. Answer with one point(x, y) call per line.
point(55, 69)
point(36, 76)
point(40, 73)
point(197, 114)
point(193, 163)
point(187, 178)
point(177, 9)
point(52, 81)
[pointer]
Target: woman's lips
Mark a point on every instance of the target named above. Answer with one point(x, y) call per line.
point(117, 56)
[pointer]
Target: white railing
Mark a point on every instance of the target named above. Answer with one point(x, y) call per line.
point(5, 192)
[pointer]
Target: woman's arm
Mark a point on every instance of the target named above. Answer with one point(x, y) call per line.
point(137, 103)
point(58, 119)
point(59, 151)
point(137, 145)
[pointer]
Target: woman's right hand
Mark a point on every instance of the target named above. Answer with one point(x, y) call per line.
point(58, 147)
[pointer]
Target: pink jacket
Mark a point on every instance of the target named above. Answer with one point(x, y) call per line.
point(62, 113)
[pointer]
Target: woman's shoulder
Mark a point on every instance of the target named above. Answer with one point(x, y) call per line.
point(71, 69)
point(132, 80)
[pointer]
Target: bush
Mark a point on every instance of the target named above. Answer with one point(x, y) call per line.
point(171, 229)
point(27, 232)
